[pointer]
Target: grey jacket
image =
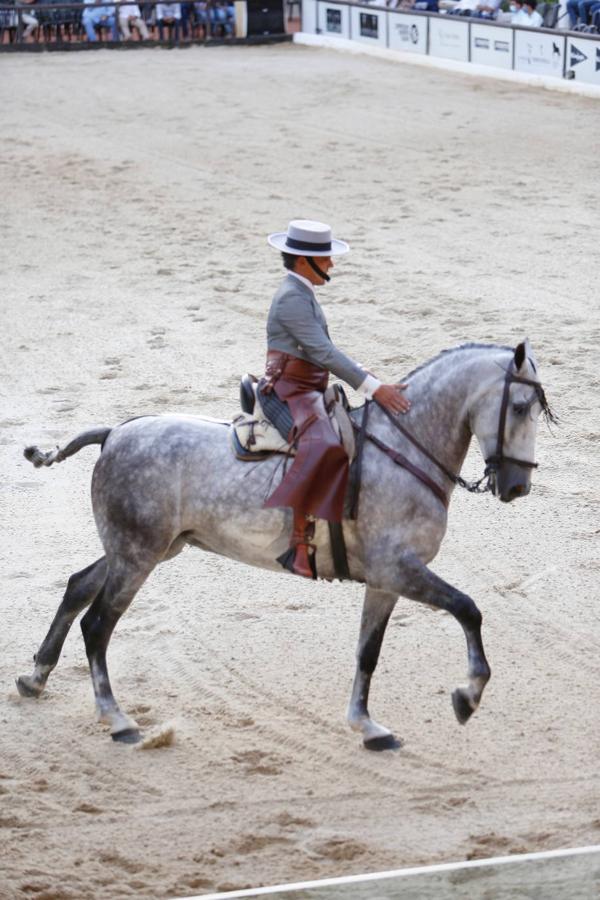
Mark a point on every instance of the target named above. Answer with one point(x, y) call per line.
point(297, 325)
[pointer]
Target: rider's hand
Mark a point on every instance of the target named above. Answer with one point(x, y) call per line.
point(391, 397)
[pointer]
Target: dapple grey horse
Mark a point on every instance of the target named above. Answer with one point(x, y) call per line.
point(164, 482)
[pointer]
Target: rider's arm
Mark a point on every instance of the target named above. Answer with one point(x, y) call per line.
point(302, 322)
point(299, 318)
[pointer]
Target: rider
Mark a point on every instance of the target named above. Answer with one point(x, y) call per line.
point(300, 355)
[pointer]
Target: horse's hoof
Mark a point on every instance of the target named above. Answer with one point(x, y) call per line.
point(386, 742)
point(27, 687)
point(462, 708)
point(127, 736)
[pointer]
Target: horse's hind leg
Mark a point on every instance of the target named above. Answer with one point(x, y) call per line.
point(377, 608)
point(82, 589)
point(97, 626)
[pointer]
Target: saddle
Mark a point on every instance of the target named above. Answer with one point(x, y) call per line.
point(265, 425)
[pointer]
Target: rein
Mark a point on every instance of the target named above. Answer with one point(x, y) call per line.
point(492, 463)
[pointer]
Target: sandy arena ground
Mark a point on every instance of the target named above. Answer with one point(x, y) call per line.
point(137, 189)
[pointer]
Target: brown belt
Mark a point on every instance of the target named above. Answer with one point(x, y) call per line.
point(294, 369)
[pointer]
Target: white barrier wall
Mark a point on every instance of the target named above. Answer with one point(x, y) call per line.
point(535, 51)
point(449, 37)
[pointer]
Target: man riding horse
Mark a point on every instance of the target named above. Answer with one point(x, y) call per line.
point(300, 356)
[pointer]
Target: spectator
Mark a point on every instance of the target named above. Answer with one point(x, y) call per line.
point(29, 20)
point(186, 15)
point(580, 11)
point(97, 16)
point(224, 15)
point(201, 15)
point(168, 14)
point(530, 16)
point(516, 10)
point(479, 9)
point(129, 15)
point(487, 9)
point(219, 15)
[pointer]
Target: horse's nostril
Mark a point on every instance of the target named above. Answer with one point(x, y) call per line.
point(518, 490)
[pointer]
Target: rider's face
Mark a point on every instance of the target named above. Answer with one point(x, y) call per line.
point(325, 263)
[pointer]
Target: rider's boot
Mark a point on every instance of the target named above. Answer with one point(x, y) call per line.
point(300, 557)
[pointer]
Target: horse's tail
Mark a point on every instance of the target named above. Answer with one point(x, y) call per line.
point(94, 436)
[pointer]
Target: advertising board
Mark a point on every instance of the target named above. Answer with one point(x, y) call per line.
point(407, 33)
point(449, 37)
point(539, 53)
point(369, 25)
point(582, 61)
point(491, 46)
point(334, 19)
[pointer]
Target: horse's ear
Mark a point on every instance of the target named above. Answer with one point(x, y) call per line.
point(520, 355)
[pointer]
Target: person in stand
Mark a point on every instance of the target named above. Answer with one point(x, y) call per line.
point(528, 16)
point(130, 15)
point(95, 15)
point(516, 12)
point(300, 356)
point(486, 9)
point(168, 15)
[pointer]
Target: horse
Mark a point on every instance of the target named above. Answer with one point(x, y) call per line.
point(164, 482)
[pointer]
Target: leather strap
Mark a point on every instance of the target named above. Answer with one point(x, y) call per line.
point(496, 460)
point(356, 470)
point(338, 551)
point(401, 460)
point(417, 443)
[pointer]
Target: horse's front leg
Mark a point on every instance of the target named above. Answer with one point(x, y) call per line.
point(377, 608)
point(414, 580)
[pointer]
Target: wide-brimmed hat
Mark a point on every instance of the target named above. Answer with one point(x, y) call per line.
point(306, 238)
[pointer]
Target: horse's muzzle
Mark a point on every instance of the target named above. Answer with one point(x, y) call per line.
point(510, 482)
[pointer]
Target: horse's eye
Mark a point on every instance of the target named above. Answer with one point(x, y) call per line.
point(519, 409)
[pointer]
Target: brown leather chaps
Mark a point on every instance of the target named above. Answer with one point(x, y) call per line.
point(316, 481)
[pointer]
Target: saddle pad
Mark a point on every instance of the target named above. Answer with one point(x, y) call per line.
point(253, 436)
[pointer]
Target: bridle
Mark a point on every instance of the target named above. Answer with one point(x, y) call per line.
point(492, 463)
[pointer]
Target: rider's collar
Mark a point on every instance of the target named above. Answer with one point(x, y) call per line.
point(304, 280)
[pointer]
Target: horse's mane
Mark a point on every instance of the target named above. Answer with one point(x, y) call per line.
point(451, 350)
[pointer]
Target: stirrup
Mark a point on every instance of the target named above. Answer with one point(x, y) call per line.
point(288, 560)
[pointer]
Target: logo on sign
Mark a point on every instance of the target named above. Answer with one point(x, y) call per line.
point(449, 38)
point(369, 25)
point(482, 43)
point(334, 20)
point(502, 46)
point(577, 56)
point(537, 55)
point(407, 34)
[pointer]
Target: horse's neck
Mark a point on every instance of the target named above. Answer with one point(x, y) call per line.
point(438, 418)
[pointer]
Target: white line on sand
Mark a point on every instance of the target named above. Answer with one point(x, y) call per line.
point(403, 873)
